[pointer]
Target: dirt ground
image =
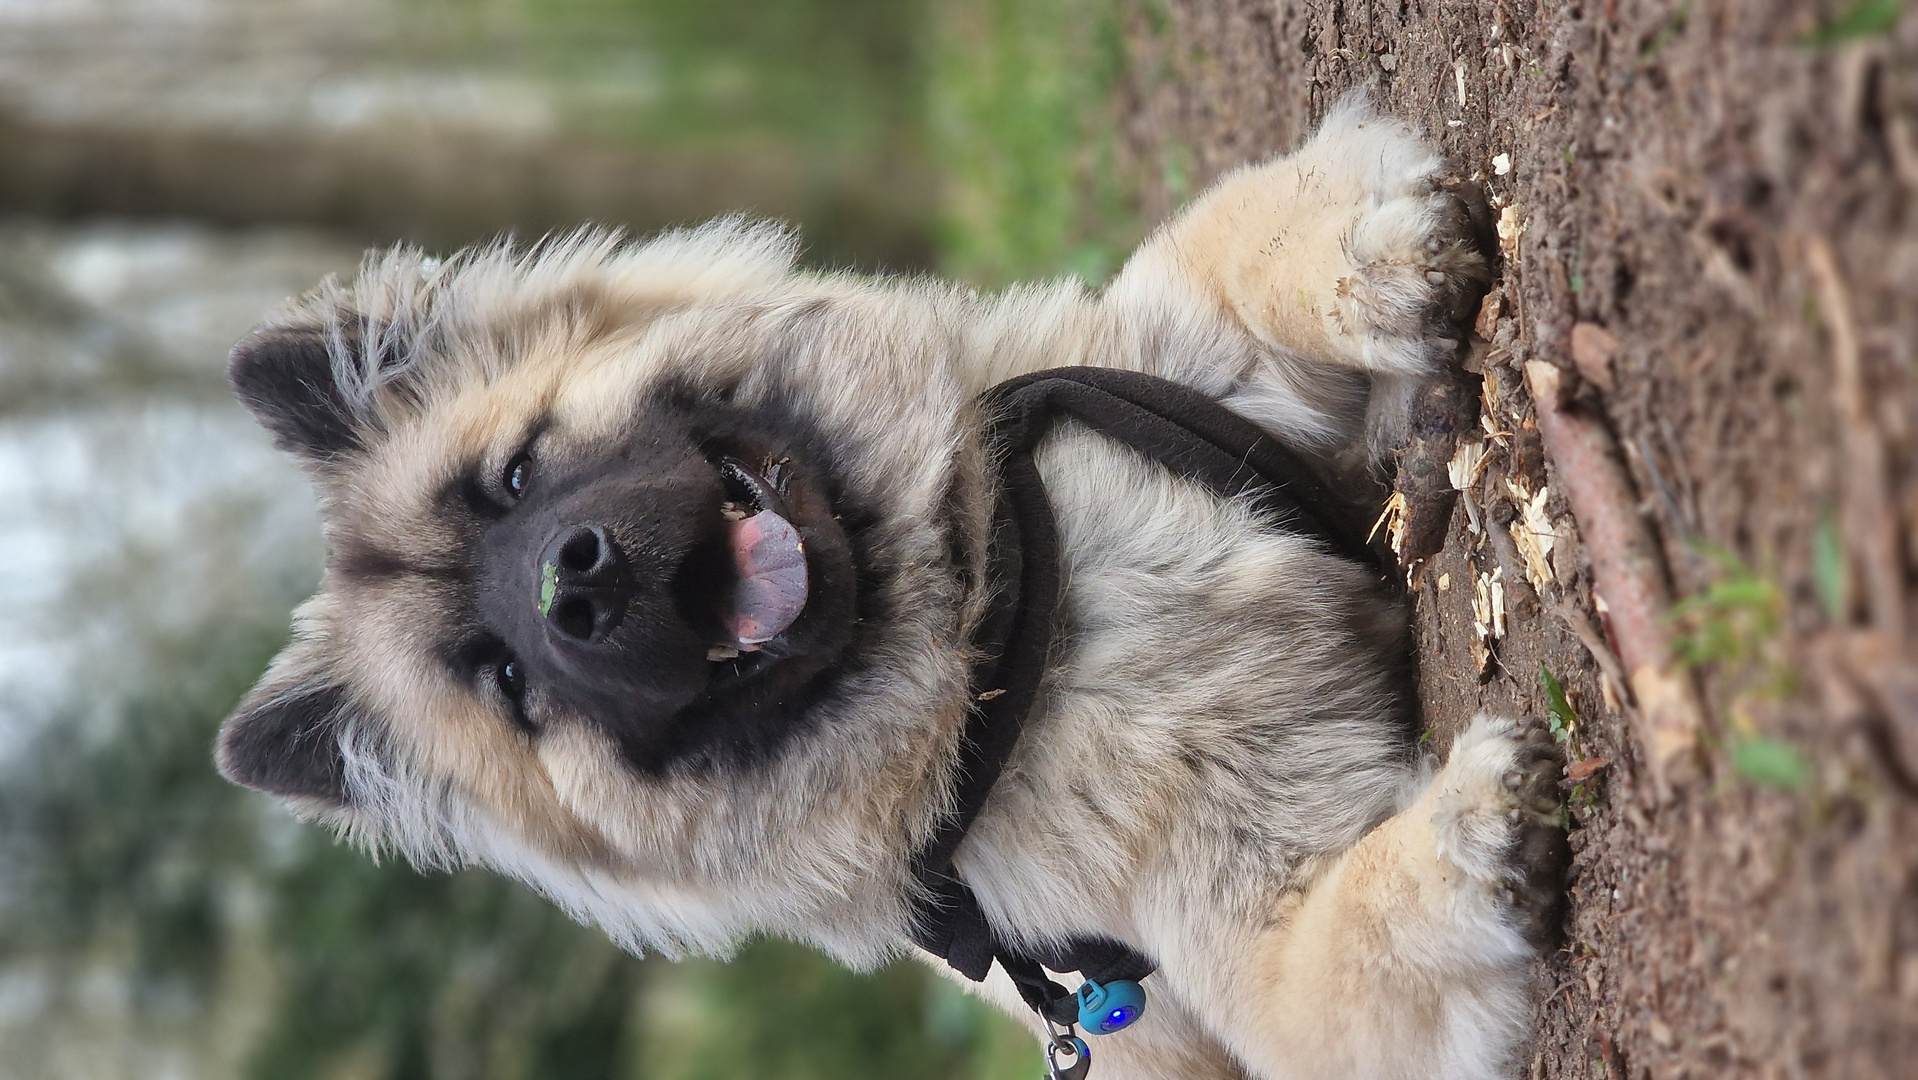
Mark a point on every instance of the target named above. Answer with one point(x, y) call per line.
point(1674, 171)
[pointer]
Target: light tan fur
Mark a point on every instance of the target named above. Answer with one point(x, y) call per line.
point(1218, 772)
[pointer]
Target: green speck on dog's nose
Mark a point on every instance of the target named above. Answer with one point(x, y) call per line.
point(548, 587)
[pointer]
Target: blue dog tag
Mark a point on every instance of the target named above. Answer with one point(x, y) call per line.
point(1107, 1007)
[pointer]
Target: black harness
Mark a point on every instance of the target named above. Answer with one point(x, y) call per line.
point(1195, 437)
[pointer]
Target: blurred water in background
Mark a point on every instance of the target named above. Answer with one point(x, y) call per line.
point(171, 170)
point(140, 504)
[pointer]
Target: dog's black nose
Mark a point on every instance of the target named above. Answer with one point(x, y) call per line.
point(584, 583)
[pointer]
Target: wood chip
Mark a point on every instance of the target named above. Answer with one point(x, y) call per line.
point(1489, 310)
point(1392, 520)
point(1534, 534)
point(1493, 431)
point(1488, 605)
point(1467, 465)
point(1511, 226)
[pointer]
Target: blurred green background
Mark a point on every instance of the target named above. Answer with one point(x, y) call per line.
point(170, 170)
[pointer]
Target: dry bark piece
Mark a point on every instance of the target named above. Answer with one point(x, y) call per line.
point(1444, 406)
point(1628, 573)
point(1480, 356)
point(1584, 770)
point(1489, 310)
point(1593, 349)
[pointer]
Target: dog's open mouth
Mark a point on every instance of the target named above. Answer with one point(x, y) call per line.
point(770, 582)
point(763, 588)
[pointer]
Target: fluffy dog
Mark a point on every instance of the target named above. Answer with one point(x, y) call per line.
point(653, 567)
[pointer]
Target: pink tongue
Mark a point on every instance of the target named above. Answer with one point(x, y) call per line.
point(771, 560)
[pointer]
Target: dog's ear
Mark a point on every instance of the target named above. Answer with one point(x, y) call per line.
point(284, 736)
point(285, 375)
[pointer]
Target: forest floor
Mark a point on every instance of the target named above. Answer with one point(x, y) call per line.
point(1710, 229)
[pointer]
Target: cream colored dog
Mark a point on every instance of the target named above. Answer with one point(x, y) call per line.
point(653, 568)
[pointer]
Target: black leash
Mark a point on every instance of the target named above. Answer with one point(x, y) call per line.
point(1195, 437)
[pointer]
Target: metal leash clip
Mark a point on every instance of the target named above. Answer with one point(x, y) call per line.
point(1064, 1045)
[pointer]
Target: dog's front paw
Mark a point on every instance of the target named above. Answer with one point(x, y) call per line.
point(1350, 251)
point(1417, 267)
point(1499, 820)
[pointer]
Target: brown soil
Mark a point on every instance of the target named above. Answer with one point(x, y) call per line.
point(1676, 167)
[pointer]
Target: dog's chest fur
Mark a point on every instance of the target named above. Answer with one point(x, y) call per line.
point(1222, 708)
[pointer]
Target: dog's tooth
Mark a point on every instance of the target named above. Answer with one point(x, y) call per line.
point(722, 652)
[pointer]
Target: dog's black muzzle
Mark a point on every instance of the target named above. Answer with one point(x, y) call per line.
point(599, 579)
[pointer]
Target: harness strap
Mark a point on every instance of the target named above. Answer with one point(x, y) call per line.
point(1193, 436)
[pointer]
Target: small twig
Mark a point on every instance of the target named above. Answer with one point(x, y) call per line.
point(1665, 496)
point(1628, 573)
point(1870, 523)
point(1685, 487)
point(1500, 537)
point(1594, 642)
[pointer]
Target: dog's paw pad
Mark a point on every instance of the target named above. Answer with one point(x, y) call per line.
point(1531, 783)
point(1463, 250)
point(1420, 265)
point(1500, 821)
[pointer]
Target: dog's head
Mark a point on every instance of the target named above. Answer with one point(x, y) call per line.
point(646, 576)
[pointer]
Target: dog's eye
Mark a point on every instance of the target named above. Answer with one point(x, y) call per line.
point(512, 679)
point(518, 474)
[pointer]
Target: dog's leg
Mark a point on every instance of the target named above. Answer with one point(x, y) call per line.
point(1312, 292)
point(1346, 255)
point(1407, 957)
point(1347, 251)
